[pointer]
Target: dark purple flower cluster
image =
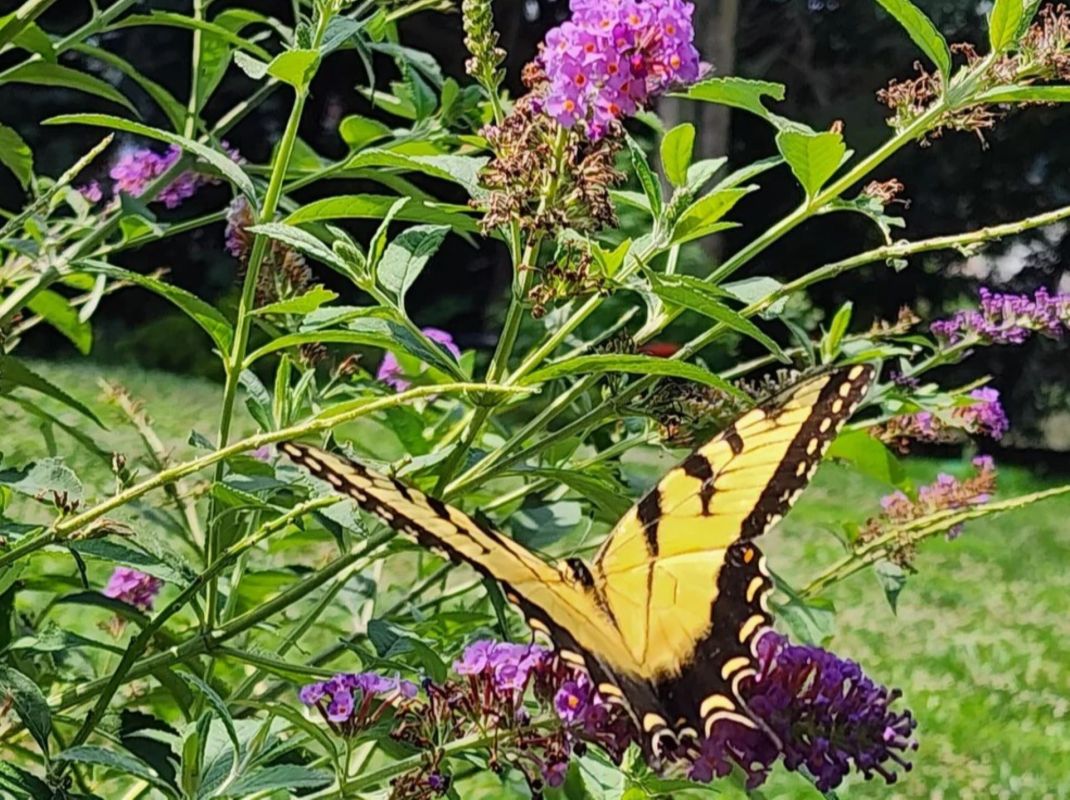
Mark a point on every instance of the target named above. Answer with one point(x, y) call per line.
point(614, 56)
point(352, 702)
point(133, 587)
point(817, 712)
point(828, 716)
point(1008, 318)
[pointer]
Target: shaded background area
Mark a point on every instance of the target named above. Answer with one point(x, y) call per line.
point(832, 55)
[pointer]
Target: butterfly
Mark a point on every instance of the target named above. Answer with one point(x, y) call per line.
point(665, 618)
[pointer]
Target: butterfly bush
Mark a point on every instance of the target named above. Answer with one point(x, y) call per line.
point(1007, 318)
point(136, 168)
point(133, 588)
point(615, 56)
point(984, 416)
point(818, 712)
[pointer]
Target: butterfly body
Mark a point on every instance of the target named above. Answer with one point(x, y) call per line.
point(665, 617)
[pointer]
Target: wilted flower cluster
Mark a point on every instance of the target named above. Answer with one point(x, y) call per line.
point(1008, 318)
point(985, 416)
point(353, 702)
point(527, 184)
point(572, 273)
point(133, 587)
point(1042, 54)
point(284, 272)
point(137, 168)
point(393, 375)
point(613, 57)
point(824, 715)
point(945, 493)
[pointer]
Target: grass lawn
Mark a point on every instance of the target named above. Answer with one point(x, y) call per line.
point(979, 645)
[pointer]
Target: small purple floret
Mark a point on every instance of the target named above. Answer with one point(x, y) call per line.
point(133, 587)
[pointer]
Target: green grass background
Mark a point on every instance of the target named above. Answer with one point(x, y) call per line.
point(980, 645)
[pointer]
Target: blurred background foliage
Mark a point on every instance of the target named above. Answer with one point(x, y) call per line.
point(833, 55)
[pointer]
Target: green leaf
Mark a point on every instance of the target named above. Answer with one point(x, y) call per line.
point(302, 304)
point(462, 170)
point(43, 477)
point(740, 93)
point(868, 456)
point(892, 579)
point(358, 132)
point(29, 703)
point(809, 621)
point(57, 311)
point(223, 163)
point(118, 551)
point(698, 295)
point(757, 290)
point(202, 689)
point(42, 73)
point(295, 67)
point(677, 149)
point(391, 641)
point(14, 373)
point(633, 365)
point(23, 32)
point(307, 244)
point(370, 206)
point(647, 179)
point(176, 20)
point(406, 256)
point(1026, 94)
point(287, 777)
point(922, 31)
point(704, 216)
point(813, 158)
point(16, 155)
point(119, 762)
point(208, 317)
point(23, 785)
point(837, 330)
point(699, 173)
point(609, 500)
point(1004, 23)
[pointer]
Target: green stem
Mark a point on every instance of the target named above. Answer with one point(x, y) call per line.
point(72, 526)
point(523, 272)
point(140, 642)
point(247, 302)
point(206, 642)
point(505, 455)
point(915, 531)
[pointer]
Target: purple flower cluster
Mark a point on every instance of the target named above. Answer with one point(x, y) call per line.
point(391, 372)
point(1008, 318)
point(824, 715)
point(136, 168)
point(985, 416)
point(827, 715)
point(351, 702)
point(133, 588)
point(946, 492)
point(613, 57)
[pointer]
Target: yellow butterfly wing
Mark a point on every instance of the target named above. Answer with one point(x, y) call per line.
point(559, 602)
point(657, 570)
